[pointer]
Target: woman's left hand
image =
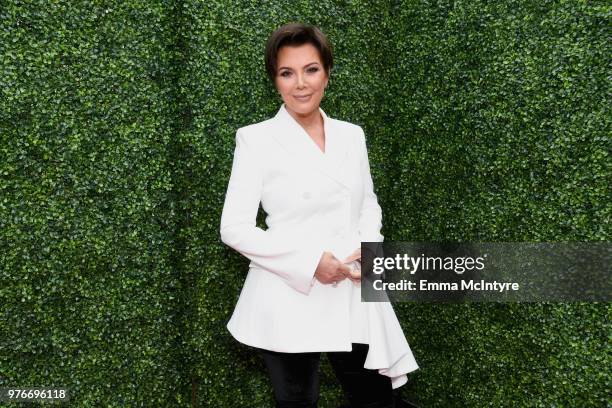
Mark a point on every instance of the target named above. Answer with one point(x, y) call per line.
point(354, 257)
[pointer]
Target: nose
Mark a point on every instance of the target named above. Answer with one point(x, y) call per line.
point(300, 81)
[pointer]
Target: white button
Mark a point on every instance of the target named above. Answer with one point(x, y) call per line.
point(307, 195)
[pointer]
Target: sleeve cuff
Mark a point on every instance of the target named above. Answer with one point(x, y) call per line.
point(304, 278)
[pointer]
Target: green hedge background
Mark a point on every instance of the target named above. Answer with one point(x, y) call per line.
point(485, 121)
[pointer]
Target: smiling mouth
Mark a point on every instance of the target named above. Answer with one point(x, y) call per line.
point(303, 98)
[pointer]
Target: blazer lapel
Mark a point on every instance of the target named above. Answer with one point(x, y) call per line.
point(298, 142)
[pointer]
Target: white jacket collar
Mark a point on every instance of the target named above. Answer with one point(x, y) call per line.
point(298, 142)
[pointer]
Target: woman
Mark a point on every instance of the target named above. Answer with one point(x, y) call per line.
point(302, 295)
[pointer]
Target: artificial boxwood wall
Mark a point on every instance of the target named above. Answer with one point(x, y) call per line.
point(484, 122)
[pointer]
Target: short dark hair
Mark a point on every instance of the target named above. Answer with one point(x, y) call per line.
point(297, 34)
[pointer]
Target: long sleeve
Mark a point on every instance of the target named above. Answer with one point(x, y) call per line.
point(291, 257)
point(370, 218)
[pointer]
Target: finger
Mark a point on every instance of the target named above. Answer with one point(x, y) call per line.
point(345, 269)
point(349, 258)
point(355, 255)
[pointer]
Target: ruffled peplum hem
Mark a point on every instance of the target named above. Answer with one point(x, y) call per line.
point(389, 352)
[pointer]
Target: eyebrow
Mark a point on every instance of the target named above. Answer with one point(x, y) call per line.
point(310, 63)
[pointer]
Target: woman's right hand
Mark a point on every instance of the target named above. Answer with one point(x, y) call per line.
point(331, 270)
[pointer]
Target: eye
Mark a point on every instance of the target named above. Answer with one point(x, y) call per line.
point(313, 69)
point(283, 73)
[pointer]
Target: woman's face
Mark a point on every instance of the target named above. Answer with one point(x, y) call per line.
point(300, 73)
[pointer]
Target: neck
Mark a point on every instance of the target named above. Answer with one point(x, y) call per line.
point(308, 120)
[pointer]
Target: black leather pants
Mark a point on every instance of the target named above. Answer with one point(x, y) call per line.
point(295, 378)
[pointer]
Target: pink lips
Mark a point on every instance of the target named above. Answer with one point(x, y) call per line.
point(303, 98)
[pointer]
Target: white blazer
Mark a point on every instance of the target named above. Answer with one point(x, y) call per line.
point(314, 202)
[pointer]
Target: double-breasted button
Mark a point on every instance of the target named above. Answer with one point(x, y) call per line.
point(307, 195)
